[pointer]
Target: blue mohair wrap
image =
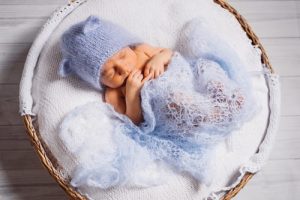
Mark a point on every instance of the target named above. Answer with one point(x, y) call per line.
point(198, 101)
point(187, 111)
point(87, 45)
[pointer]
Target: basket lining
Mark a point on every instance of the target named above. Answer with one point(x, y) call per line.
point(51, 164)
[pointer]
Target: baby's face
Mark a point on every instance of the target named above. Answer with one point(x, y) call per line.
point(117, 68)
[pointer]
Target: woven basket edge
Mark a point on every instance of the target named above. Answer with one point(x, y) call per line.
point(42, 153)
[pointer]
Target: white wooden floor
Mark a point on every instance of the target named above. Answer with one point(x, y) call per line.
point(276, 22)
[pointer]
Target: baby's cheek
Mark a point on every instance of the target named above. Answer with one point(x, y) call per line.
point(102, 81)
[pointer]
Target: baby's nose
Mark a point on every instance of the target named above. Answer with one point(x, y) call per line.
point(124, 70)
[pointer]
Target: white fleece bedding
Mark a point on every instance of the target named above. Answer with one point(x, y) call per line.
point(158, 22)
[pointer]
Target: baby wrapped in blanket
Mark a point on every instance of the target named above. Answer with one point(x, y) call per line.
point(161, 106)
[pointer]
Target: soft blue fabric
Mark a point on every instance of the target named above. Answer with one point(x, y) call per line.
point(183, 136)
point(86, 46)
point(106, 156)
point(188, 110)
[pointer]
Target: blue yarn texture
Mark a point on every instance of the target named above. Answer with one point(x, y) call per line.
point(86, 45)
point(187, 111)
point(203, 96)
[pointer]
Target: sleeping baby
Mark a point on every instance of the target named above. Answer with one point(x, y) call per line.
point(174, 107)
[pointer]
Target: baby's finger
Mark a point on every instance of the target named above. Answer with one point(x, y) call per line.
point(140, 77)
point(146, 78)
point(152, 75)
point(152, 72)
point(156, 74)
point(137, 72)
point(132, 73)
point(161, 71)
point(147, 70)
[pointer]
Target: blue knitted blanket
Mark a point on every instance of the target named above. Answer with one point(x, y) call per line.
point(187, 111)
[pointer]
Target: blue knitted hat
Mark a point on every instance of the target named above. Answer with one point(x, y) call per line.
point(87, 45)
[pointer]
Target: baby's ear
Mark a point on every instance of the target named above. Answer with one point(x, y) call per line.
point(64, 68)
point(90, 23)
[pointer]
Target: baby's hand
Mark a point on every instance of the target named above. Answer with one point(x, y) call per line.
point(134, 83)
point(155, 66)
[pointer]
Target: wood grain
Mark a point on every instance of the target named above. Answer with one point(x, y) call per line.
point(276, 23)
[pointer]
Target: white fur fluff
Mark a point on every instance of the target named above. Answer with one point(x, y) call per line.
point(95, 140)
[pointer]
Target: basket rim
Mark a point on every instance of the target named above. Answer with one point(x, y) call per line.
point(44, 157)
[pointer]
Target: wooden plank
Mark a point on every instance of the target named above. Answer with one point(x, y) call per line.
point(12, 133)
point(266, 16)
point(22, 30)
point(285, 149)
point(20, 159)
point(8, 103)
point(269, 28)
point(15, 145)
point(19, 30)
point(11, 73)
point(33, 192)
point(16, 151)
point(9, 106)
point(266, 10)
point(25, 176)
point(12, 59)
point(31, 11)
point(278, 180)
point(13, 53)
point(290, 89)
point(10, 117)
point(289, 124)
point(284, 55)
point(33, 2)
point(287, 139)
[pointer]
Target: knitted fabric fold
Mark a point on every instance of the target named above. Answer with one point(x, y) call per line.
point(187, 111)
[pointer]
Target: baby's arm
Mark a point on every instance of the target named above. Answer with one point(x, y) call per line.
point(129, 106)
point(133, 108)
point(134, 83)
point(158, 63)
point(159, 59)
point(115, 97)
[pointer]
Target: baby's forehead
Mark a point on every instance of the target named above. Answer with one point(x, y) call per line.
point(105, 69)
point(107, 64)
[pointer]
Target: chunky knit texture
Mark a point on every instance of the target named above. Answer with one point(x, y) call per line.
point(86, 46)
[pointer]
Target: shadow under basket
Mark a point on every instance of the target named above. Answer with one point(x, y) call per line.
point(49, 161)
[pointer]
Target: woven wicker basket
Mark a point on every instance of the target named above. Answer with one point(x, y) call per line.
point(49, 162)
